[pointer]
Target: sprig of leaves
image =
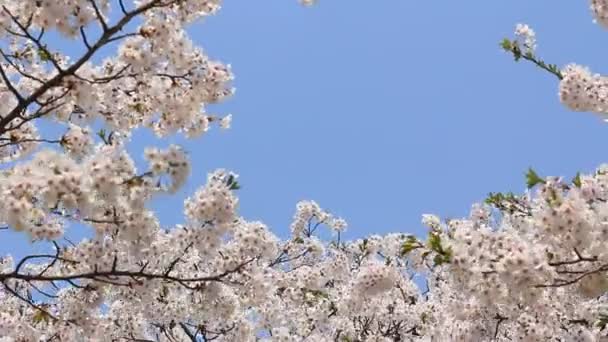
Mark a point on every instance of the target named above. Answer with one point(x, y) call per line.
point(576, 181)
point(44, 55)
point(507, 202)
point(232, 182)
point(443, 255)
point(41, 316)
point(602, 321)
point(513, 47)
point(434, 245)
point(533, 179)
point(410, 244)
point(499, 199)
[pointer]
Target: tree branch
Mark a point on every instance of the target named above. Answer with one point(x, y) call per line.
point(57, 79)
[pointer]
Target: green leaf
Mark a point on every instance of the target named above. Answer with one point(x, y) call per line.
point(102, 134)
point(388, 261)
point(447, 254)
point(503, 201)
point(444, 255)
point(231, 182)
point(138, 107)
point(495, 199)
point(602, 321)
point(506, 44)
point(532, 179)
point(363, 246)
point(438, 259)
point(423, 317)
point(435, 242)
point(235, 185)
point(409, 245)
point(554, 198)
point(316, 293)
point(516, 51)
point(577, 180)
point(441, 259)
point(41, 316)
point(407, 248)
point(44, 55)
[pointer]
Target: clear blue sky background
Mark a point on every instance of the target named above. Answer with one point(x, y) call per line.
point(382, 111)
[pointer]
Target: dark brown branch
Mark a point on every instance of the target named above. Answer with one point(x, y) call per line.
point(104, 275)
point(92, 220)
point(21, 141)
point(55, 259)
point(85, 40)
point(42, 292)
point(579, 259)
point(188, 332)
point(178, 259)
point(28, 302)
point(40, 34)
point(122, 6)
point(281, 258)
point(7, 58)
point(99, 15)
point(563, 282)
point(10, 86)
point(110, 78)
point(138, 178)
point(40, 256)
point(36, 41)
point(499, 320)
point(122, 36)
point(43, 110)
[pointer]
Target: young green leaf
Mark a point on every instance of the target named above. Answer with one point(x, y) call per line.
point(44, 55)
point(577, 180)
point(506, 44)
point(533, 179)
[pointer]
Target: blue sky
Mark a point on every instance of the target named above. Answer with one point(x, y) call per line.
point(382, 111)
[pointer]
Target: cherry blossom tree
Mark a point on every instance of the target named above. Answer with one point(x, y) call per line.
point(528, 267)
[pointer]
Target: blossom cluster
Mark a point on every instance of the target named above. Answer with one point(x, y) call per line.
point(158, 78)
point(580, 89)
point(526, 37)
